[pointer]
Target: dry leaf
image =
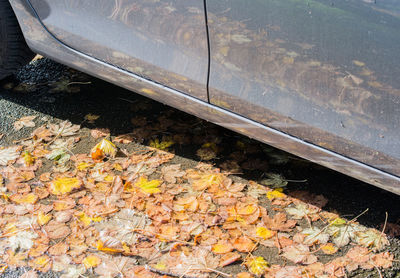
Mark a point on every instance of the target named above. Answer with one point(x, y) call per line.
point(26, 121)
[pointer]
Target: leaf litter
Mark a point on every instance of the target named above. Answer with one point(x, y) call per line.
point(136, 214)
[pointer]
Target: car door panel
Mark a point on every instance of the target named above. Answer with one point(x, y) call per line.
point(323, 71)
point(164, 41)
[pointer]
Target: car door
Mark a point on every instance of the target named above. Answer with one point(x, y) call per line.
point(161, 40)
point(326, 72)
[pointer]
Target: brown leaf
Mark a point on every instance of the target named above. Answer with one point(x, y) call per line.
point(243, 244)
point(279, 223)
point(58, 249)
point(57, 230)
point(299, 254)
point(229, 258)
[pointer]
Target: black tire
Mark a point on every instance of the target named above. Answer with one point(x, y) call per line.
point(14, 53)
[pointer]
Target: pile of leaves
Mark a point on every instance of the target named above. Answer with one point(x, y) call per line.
point(138, 214)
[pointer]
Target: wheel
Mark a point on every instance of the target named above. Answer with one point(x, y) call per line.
point(14, 53)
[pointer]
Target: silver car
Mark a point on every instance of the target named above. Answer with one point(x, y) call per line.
point(317, 78)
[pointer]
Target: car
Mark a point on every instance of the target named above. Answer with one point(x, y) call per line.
point(319, 79)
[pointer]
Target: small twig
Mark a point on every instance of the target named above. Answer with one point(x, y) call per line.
point(384, 227)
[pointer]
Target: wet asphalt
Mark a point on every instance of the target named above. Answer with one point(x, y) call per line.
point(54, 92)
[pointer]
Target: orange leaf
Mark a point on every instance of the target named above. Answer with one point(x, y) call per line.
point(222, 247)
point(243, 244)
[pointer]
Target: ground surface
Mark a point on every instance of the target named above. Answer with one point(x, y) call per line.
point(55, 94)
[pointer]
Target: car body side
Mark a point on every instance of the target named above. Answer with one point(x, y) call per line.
point(248, 91)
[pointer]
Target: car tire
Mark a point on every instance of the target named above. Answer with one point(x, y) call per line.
point(14, 52)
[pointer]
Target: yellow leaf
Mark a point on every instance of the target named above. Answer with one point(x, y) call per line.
point(109, 178)
point(276, 193)
point(91, 261)
point(222, 247)
point(338, 221)
point(87, 219)
point(91, 118)
point(149, 187)
point(64, 185)
point(256, 265)
point(29, 198)
point(329, 248)
point(84, 165)
point(28, 158)
point(160, 266)
point(100, 246)
point(118, 167)
point(358, 63)
point(42, 218)
point(163, 145)
point(107, 147)
point(264, 233)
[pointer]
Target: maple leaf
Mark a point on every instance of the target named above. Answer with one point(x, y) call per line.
point(299, 254)
point(64, 129)
point(26, 121)
point(171, 172)
point(371, 238)
point(256, 190)
point(274, 181)
point(107, 148)
point(64, 185)
point(343, 231)
point(163, 145)
point(91, 118)
point(121, 227)
point(314, 235)
point(8, 154)
point(256, 265)
point(148, 187)
point(279, 222)
point(301, 210)
point(384, 259)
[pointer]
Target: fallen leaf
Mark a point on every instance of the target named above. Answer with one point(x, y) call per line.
point(57, 230)
point(8, 154)
point(107, 148)
point(243, 244)
point(256, 265)
point(91, 261)
point(229, 258)
point(371, 238)
point(64, 129)
point(329, 248)
point(222, 247)
point(64, 185)
point(43, 219)
point(299, 254)
point(148, 187)
point(91, 118)
point(26, 121)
